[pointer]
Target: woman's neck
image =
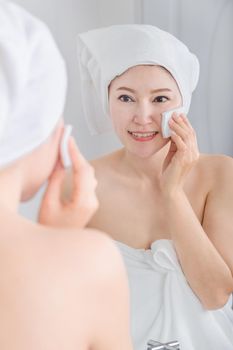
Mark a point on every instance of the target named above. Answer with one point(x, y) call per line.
point(144, 168)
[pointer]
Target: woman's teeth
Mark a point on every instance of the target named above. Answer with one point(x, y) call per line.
point(140, 135)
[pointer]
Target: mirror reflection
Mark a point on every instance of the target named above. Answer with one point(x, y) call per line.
point(149, 101)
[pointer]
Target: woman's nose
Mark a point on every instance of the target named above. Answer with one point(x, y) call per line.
point(144, 114)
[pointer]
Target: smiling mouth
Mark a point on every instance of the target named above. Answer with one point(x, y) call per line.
point(142, 135)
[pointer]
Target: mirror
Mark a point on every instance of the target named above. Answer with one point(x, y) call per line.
point(209, 37)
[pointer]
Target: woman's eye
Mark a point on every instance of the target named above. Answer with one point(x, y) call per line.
point(161, 99)
point(125, 98)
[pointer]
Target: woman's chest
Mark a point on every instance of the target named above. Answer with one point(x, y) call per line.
point(136, 217)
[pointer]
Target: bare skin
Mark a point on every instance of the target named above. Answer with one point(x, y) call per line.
point(53, 290)
point(57, 292)
point(165, 189)
point(140, 203)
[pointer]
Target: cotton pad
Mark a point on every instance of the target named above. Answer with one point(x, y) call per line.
point(65, 157)
point(166, 116)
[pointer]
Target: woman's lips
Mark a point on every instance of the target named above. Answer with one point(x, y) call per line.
point(143, 136)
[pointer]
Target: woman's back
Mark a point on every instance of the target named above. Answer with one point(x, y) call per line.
point(53, 289)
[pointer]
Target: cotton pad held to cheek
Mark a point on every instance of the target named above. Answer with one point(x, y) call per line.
point(166, 116)
point(65, 157)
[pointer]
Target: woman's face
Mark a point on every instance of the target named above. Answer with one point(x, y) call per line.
point(136, 100)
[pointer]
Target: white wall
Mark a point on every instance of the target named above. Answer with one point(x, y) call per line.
point(206, 26)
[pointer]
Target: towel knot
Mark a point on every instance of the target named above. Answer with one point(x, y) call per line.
point(164, 255)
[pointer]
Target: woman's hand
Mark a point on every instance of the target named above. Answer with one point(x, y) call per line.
point(74, 206)
point(182, 155)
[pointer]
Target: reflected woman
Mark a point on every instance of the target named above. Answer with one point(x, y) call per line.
point(168, 207)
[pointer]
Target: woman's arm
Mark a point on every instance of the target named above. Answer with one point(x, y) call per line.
point(205, 252)
point(218, 216)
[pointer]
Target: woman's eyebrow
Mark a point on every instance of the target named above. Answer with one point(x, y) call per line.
point(152, 91)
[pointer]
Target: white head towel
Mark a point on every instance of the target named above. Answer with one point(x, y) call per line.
point(32, 83)
point(107, 52)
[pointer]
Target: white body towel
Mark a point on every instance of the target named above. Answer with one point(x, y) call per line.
point(164, 307)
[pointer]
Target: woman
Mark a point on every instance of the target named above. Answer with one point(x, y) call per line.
point(57, 292)
point(168, 206)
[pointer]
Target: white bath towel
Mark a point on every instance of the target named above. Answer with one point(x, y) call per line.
point(107, 52)
point(164, 307)
point(32, 82)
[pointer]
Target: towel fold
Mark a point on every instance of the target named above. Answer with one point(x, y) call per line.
point(164, 307)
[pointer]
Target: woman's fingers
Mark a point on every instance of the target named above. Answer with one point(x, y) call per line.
point(51, 203)
point(78, 166)
point(84, 182)
point(178, 120)
point(53, 190)
point(180, 144)
point(182, 154)
point(184, 136)
point(183, 122)
point(181, 128)
point(76, 156)
point(186, 121)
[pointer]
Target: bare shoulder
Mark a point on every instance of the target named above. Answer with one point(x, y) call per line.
point(53, 273)
point(100, 290)
point(103, 160)
point(85, 252)
point(107, 162)
point(218, 161)
point(217, 168)
point(36, 253)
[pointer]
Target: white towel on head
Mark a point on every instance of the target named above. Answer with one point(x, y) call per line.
point(108, 52)
point(33, 83)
